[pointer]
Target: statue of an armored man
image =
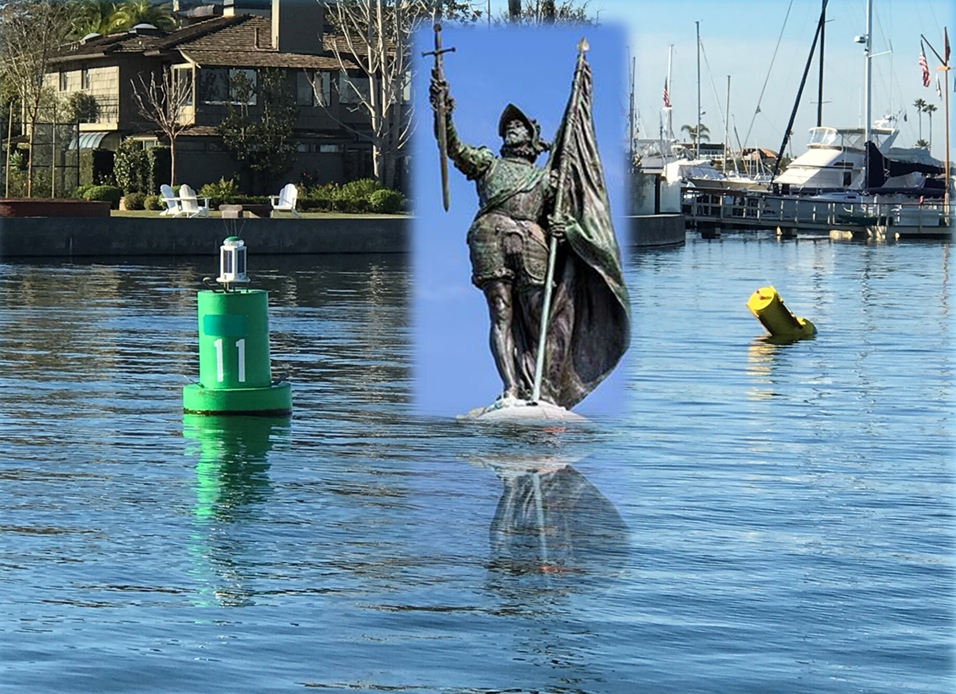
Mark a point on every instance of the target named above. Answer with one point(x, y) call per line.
point(542, 244)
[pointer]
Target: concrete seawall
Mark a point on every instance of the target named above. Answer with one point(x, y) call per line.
point(68, 237)
point(648, 231)
point(78, 237)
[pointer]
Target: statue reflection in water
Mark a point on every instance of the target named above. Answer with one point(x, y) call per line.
point(550, 519)
point(232, 478)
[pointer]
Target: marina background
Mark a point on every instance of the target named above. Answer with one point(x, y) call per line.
point(740, 38)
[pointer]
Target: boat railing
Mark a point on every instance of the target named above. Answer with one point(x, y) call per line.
point(749, 209)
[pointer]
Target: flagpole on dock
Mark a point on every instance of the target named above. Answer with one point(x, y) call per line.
point(945, 67)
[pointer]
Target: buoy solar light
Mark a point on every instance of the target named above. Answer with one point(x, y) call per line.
point(232, 262)
point(776, 318)
point(235, 374)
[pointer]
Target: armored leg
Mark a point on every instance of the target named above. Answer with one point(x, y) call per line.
point(501, 311)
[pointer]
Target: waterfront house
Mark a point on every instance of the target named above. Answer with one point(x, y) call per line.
point(205, 53)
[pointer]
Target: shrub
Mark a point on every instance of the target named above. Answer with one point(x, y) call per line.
point(321, 198)
point(159, 161)
point(18, 174)
point(80, 192)
point(131, 167)
point(135, 201)
point(110, 193)
point(386, 201)
point(223, 192)
point(81, 107)
point(354, 195)
point(153, 202)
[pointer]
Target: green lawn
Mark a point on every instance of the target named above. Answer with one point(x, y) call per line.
point(305, 215)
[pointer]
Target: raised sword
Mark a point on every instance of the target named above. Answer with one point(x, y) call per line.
point(441, 112)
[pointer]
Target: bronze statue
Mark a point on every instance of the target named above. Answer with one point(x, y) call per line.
point(542, 243)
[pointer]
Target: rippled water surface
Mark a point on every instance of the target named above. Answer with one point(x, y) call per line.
point(761, 517)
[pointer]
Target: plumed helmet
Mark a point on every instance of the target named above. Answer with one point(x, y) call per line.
point(511, 113)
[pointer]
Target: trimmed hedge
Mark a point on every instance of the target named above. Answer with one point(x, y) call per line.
point(110, 193)
point(386, 201)
point(135, 201)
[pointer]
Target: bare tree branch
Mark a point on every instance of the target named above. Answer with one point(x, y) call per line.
point(164, 103)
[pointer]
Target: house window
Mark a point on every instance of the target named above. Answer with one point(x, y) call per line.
point(85, 78)
point(311, 84)
point(63, 81)
point(227, 85)
point(304, 94)
point(352, 89)
point(183, 79)
point(329, 149)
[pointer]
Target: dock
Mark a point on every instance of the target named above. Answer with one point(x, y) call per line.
point(712, 210)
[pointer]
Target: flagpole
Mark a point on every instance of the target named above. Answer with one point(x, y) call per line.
point(553, 245)
point(944, 59)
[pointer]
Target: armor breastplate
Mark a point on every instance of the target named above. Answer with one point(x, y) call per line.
point(506, 176)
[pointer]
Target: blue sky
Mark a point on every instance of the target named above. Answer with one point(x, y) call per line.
point(739, 38)
point(454, 371)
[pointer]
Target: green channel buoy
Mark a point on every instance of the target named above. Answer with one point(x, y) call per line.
point(235, 373)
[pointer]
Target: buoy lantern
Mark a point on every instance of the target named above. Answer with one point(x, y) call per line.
point(776, 318)
point(235, 373)
point(232, 262)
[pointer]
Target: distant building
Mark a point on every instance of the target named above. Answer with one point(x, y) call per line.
point(214, 43)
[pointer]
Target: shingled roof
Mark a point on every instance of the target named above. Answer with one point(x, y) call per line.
point(240, 41)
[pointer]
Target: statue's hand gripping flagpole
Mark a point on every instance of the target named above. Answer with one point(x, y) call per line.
point(558, 204)
point(441, 112)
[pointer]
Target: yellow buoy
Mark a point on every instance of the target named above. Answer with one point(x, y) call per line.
point(776, 318)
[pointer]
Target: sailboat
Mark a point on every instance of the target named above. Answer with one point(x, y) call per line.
point(880, 186)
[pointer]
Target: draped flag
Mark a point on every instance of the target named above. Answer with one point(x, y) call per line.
point(924, 67)
point(601, 305)
point(667, 96)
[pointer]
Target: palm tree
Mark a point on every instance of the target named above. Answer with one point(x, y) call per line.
point(922, 143)
point(920, 104)
point(929, 109)
point(93, 17)
point(133, 12)
point(691, 131)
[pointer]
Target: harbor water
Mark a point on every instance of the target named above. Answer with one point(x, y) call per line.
point(756, 518)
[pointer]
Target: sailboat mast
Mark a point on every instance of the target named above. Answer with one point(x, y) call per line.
point(669, 114)
point(868, 52)
point(823, 23)
point(726, 127)
point(697, 138)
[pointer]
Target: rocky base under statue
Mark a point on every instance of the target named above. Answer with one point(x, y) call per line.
point(522, 411)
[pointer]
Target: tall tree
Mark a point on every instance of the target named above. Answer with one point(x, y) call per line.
point(548, 12)
point(133, 12)
point(374, 56)
point(692, 133)
point(920, 104)
point(261, 141)
point(929, 110)
point(164, 103)
point(93, 17)
point(376, 37)
point(31, 31)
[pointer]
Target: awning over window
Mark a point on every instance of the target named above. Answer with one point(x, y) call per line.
point(90, 140)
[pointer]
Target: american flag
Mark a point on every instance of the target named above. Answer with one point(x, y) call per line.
point(667, 96)
point(924, 67)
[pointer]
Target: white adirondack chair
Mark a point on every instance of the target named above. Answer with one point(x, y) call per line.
point(191, 206)
point(173, 208)
point(285, 200)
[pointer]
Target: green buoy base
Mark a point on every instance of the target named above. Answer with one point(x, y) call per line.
point(270, 400)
